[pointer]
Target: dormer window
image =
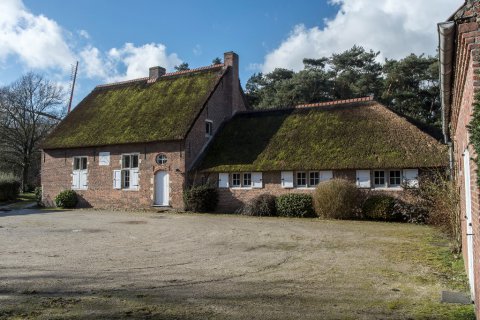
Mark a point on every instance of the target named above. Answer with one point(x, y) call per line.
point(208, 128)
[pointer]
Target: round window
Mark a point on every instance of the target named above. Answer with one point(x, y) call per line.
point(161, 159)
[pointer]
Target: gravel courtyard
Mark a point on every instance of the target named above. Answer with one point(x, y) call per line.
point(118, 265)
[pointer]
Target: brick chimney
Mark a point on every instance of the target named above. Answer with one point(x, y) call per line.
point(155, 73)
point(231, 60)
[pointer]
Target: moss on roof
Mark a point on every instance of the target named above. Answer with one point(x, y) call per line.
point(356, 136)
point(136, 111)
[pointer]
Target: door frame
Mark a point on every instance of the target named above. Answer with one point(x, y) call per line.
point(468, 220)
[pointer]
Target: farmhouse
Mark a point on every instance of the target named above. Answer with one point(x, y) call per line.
point(139, 143)
point(460, 65)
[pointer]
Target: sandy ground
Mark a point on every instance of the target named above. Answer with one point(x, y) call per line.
point(99, 264)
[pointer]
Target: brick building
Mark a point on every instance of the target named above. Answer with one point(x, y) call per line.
point(289, 150)
point(460, 65)
point(138, 143)
point(131, 144)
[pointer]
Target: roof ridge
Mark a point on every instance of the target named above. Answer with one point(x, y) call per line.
point(312, 105)
point(334, 102)
point(213, 66)
point(168, 74)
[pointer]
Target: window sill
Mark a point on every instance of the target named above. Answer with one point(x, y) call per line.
point(388, 188)
point(131, 189)
point(305, 188)
point(80, 189)
point(241, 188)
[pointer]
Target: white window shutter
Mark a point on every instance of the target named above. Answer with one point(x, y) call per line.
point(410, 178)
point(117, 179)
point(76, 180)
point(363, 178)
point(134, 178)
point(83, 180)
point(326, 175)
point(257, 182)
point(104, 158)
point(287, 179)
point(223, 180)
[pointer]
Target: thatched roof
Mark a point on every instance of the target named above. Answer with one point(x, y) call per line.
point(137, 111)
point(358, 135)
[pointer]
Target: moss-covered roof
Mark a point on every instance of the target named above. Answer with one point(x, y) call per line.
point(137, 111)
point(362, 135)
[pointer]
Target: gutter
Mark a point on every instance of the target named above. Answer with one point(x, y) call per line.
point(446, 33)
point(446, 42)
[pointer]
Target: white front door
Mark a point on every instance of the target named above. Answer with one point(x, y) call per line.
point(468, 218)
point(161, 188)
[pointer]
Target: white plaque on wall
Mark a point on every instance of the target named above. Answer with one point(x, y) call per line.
point(104, 158)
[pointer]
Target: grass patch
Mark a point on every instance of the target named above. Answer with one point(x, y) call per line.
point(22, 200)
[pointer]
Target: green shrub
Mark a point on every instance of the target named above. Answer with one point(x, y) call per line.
point(38, 196)
point(261, 205)
point(381, 207)
point(66, 199)
point(295, 205)
point(200, 198)
point(9, 187)
point(338, 199)
point(410, 212)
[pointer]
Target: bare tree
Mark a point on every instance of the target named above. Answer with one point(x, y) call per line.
point(29, 109)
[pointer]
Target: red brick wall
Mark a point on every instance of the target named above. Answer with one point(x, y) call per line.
point(232, 199)
point(466, 82)
point(218, 109)
point(57, 168)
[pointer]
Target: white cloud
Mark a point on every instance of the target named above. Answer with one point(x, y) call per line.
point(84, 34)
point(37, 41)
point(396, 28)
point(134, 61)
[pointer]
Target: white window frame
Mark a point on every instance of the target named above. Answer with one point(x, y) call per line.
point(310, 178)
point(244, 179)
point(378, 185)
point(239, 184)
point(395, 185)
point(298, 179)
point(387, 177)
point(208, 128)
point(80, 173)
point(131, 171)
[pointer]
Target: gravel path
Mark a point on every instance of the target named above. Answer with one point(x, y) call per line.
point(102, 264)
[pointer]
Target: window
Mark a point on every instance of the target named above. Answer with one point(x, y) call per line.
point(301, 179)
point(161, 159)
point(314, 178)
point(236, 180)
point(395, 178)
point(79, 174)
point(241, 180)
point(379, 178)
point(126, 179)
point(129, 173)
point(247, 179)
point(80, 163)
point(208, 128)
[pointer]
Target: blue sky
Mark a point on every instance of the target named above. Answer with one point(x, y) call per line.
point(118, 40)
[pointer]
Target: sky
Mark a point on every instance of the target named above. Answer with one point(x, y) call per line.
point(119, 40)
